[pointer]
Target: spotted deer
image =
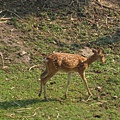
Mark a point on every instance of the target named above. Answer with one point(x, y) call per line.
point(66, 62)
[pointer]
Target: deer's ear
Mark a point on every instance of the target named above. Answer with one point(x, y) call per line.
point(94, 51)
point(99, 51)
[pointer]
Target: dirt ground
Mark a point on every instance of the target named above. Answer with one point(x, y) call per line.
point(12, 39)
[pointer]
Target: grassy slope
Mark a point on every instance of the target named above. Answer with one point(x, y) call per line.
point(53, 29)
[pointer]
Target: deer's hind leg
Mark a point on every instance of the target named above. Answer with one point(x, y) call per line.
point(44, 81)
point(42, 76)
point(45, 76)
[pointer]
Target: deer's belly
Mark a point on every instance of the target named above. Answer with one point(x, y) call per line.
point(67, 69)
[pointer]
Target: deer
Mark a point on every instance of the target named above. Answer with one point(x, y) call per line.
point(67, 62)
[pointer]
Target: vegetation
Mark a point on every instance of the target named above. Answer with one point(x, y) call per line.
point(28, 28)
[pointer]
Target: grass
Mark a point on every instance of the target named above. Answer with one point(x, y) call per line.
point(19, 89)
point(45, 31)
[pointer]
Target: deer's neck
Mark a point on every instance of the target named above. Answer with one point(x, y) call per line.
point(91, 59)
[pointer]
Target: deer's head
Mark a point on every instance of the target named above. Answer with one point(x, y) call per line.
point(100, 55)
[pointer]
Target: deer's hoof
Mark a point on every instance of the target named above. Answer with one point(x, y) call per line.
point(65, 96)
point(40, 94)
point(46, 99)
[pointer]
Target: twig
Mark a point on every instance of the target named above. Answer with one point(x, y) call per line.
point(13, 13)
point(34, 66)
point(2, 18)
point(17, 104)
point(24, 109)
point(1, 11)
point(98, 103)
point(37, 108)
point(11, 115)
point(3, 21)
point(34, 114)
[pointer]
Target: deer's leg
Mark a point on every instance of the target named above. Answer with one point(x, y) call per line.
point(68, 82)
point(43, 75)
point(45, 97)
point(85, 81)
point(40, 89)
point(44, 81)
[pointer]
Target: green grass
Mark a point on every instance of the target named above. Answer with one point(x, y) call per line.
point(19, 90)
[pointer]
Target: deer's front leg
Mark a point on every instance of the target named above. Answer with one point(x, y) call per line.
point(85, 81)
point(40, 89)
point(45, 97)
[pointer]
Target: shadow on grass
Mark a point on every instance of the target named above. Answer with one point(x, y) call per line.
point(23, 103)
point(109, 41)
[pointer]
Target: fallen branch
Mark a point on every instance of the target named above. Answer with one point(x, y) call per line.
point(34, 66)
point(4, 20)
point(21, 109)
point(13, 13)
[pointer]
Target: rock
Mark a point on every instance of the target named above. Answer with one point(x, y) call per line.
point(86, 51)
point(23, 53)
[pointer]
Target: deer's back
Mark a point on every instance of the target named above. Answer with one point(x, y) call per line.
point(65, 60)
